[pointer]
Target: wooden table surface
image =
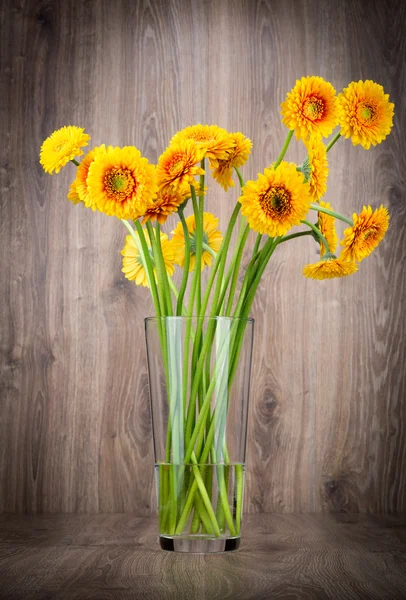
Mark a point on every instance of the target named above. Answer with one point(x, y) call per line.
point(282, 556)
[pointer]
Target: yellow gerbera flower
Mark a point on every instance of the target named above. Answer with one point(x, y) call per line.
point(311, 108)
point(368, 231)
point(177, 165)
point(83, 172)
point(327, 228)
point(121, 182)
point(73, 195)
point(236, 157)
point(276, 201)
point(365, 113)
point(132, 264)
point(329, 267)
point(212, 237)
point(318, 166)
point(61, 147)
point(166, 203)
point(213, 140)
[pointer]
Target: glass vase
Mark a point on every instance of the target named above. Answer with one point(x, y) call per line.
point(199, 376)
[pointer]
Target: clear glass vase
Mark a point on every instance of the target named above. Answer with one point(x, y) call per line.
point(199, 375)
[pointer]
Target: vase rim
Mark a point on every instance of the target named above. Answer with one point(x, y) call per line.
point(217, 318)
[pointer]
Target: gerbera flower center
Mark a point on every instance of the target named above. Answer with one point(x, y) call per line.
point(371, 232)
point(192, 236)
point(61, 146)
point(276, 201)
point(119, 183)
point(367, 112)
point(201, 137)
point(313, 108)
point(177, 166)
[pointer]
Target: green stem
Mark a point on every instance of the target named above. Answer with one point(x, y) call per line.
point(163, 496)
point(295, 235)
point(172, 503)
point(201, 191)
point(75, 162)
point(236, 271)
point(220, 262)
point(219, 509)
point(162, 335)
point(223, 259)
point(175, 292)
point(199, 241)
point(240, 177)
point(206, 500)
point(219, 412)
point(251, 282)
point(176, 418)
point(157, 273)
point(217, 269)
point(160, 264)
point(185, 276)
point(268, 250)
point(208, 481)
point(186, 356)
point(245, 304)
point(220, 306)
point(246, 300)
point(284, 149)
point(161, 261)
point(250, 275)
point(224, 499)
point(208, 249)
point(333, 141)
point(201, 515)
point(149, 269)
point(256, 245)
point(245, 307)
point(327, 211)
point(239, 479)
point(318, 233)
point(196, 282)
point(201, 214)
point(207, 447)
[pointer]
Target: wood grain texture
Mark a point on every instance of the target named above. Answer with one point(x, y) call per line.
point(328, 419)
point(281, 556)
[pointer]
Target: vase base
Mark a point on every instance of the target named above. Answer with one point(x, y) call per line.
point(198, 544)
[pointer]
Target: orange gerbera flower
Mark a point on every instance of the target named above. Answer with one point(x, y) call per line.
point(327, 228)
point(368, 231)
point(365, 113)
point(276, 201)
point(73, 195)
point(133, 264)
point(236, 157)
point(318, 167)
point(166, 203)
point(121, 182)
point(215, 142)
point(311, 108)
point(61, 147)
point(329, 267)
point(82, 173)
point(177, 166)
point(212, 239)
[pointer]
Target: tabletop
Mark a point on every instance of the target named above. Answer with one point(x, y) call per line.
point(117, 556)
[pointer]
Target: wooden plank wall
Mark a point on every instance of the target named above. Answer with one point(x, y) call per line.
point(327, 420)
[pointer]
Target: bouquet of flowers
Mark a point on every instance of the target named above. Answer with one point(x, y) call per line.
point(121, 182)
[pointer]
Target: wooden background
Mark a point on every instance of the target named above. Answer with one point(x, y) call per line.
point(327, 425)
